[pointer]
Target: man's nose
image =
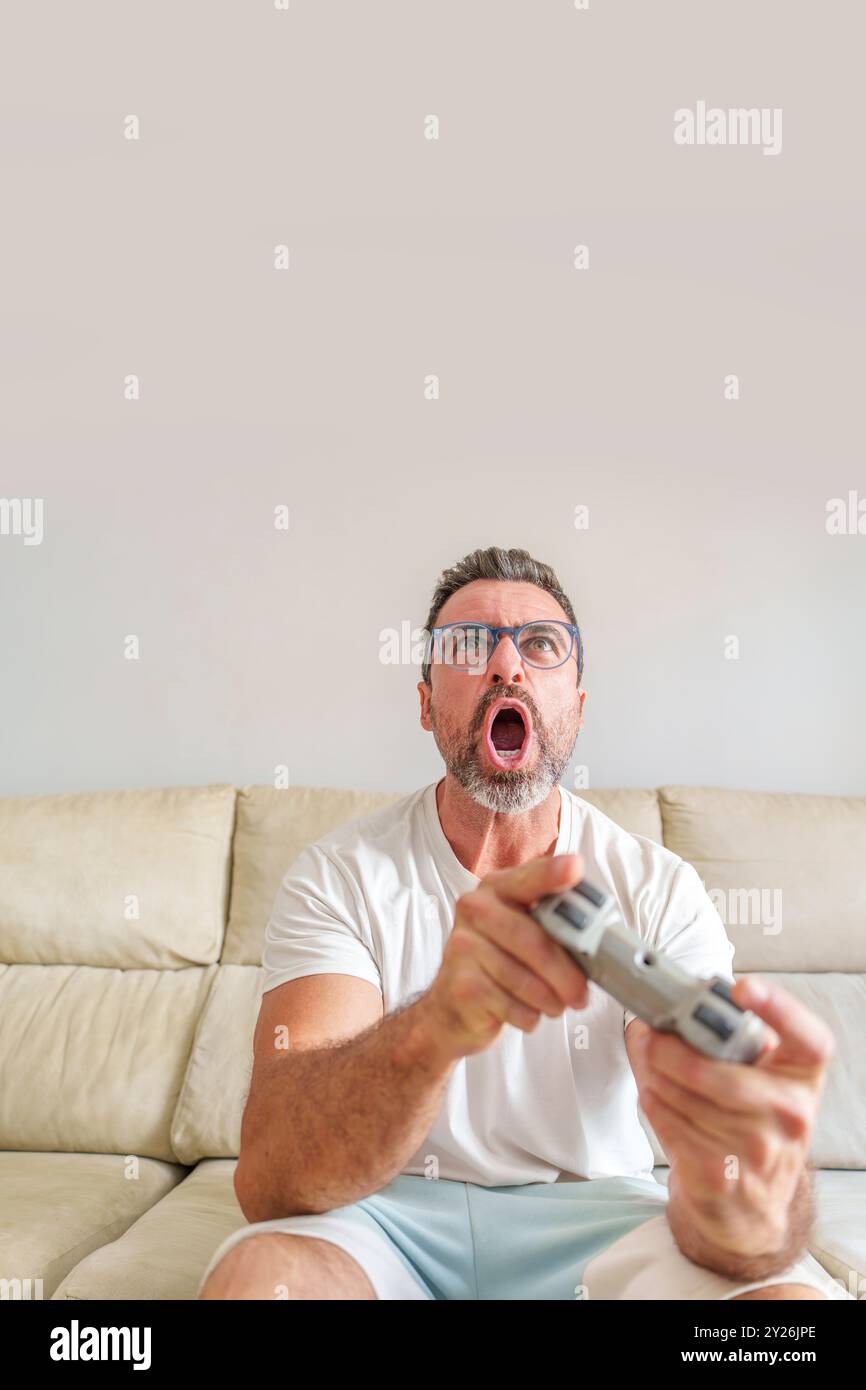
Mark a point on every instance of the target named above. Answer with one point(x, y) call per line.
point(505, 665)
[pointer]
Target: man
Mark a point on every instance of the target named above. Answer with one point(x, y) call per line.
point(456, 1112)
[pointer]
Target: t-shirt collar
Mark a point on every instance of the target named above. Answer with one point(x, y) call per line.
point(456, 874)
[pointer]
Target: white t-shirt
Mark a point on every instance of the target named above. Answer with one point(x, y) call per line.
point(376, 897)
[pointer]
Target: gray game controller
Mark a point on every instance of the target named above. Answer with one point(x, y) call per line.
point(701, 1011)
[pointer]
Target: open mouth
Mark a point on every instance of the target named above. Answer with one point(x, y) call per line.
point(508, 735)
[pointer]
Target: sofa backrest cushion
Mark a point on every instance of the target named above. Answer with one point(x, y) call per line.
point(128, 879)
point(635, 810)
point(272, 828)
point(786, 872)
point(839, 1136)
point(207, 1121)
point(93, 1059)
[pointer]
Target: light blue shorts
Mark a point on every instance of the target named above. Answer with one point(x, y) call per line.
point(609, 1237)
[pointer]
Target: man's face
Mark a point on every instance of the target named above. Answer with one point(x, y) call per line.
point(460, 709)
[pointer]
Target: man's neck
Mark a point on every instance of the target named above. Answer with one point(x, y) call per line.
point(485, 840)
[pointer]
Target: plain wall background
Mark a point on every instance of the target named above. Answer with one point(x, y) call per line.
point(305, 387)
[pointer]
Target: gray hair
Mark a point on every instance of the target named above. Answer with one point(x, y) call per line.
point(516, 566)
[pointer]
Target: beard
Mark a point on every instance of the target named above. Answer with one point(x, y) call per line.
point(505, 790)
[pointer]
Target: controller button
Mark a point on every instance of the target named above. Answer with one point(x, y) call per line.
point(595, 895)
point(722, 988)
point(719, 1025)
point(572, 914)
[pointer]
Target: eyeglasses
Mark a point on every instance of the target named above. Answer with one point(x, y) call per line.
point(467, 647)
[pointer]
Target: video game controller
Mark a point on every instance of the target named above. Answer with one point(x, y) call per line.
point(701, 1011)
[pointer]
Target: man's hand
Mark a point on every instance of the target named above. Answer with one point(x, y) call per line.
point(500, 965)
point(738, 1135)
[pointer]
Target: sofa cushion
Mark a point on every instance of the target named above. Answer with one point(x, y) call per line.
point(635, 810)
point(207, 1121)
point(839, 1136)
point(55, 1208)
point(120, 878)
point(272, 828)
point(166, 1252)
point(785, 872)
point(838, 1239)
point(94, 1059)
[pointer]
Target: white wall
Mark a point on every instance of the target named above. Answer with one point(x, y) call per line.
point(559, 387)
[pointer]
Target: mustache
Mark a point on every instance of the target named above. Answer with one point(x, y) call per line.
point(503, 692)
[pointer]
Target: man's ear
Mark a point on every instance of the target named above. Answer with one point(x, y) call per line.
point(424, 693)
point(582, 698)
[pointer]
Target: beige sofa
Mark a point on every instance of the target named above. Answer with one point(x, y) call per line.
point(131, 926)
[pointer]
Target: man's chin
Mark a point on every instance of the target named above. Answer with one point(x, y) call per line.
point(507, 792)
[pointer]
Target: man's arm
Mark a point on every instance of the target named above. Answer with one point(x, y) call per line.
point(335, 1109)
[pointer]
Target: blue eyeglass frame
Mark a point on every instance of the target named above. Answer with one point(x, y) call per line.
point(513, 633)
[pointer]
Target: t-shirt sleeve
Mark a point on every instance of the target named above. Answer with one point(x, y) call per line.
point(315, 926)
point(690, 930)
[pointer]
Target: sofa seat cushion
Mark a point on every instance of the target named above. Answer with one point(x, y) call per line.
point(56, 1208)
point(165, 1253)
point(838, 1237)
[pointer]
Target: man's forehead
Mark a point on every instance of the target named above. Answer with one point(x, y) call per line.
point(500, 603)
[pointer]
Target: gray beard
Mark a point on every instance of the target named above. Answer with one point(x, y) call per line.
point(508, 792)
point(517, 791)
